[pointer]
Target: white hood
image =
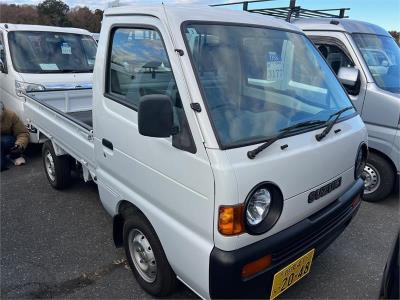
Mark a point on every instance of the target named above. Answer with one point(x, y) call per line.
point(304, 164)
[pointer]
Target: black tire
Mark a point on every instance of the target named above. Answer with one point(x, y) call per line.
point(60, 176)
point(385, 175)
point(165, 279)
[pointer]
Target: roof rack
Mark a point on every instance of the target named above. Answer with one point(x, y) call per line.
point(290, 11)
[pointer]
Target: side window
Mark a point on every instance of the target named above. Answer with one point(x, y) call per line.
point(3, 52)
point(335, 56)
point(139, 66)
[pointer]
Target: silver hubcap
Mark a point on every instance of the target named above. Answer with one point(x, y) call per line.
point(49, 163)
point(372, 179)
point(142, 255)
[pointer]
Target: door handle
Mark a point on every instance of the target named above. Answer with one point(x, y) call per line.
point(107, 144)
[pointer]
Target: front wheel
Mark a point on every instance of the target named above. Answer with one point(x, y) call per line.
point(146, 257)
point(379, 178)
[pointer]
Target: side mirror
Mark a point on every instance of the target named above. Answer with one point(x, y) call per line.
point(155, 116)
point(2, 66)
point(348, 76)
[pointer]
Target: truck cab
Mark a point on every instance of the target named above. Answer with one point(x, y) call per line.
point(374, 57)
point(222, 144)
point(36, 58)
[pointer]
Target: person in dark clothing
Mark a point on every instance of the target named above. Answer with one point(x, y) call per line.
point(14, 137)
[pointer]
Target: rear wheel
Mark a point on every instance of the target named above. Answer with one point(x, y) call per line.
point(379, 178)
point(57, 168)
point(147, 258)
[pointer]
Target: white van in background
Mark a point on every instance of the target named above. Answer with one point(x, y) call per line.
point(369, 53)
point(37, 58)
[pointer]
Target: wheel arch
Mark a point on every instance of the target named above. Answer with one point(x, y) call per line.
point(124, 209)
point(385, 157)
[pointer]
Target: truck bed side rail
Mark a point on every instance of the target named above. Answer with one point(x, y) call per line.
point(58, 111)
point(71, 135)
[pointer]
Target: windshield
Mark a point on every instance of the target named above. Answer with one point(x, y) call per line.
point(52, 52)
point(258, 81)
point(382, 55)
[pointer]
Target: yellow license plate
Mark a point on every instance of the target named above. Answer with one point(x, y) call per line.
point(292, 273)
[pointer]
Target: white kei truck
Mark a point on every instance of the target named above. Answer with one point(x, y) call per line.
point(37, 58)
point(222, 144)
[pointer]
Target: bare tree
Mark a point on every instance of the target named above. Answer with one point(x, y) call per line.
point(83, 17)
point(396, 36)
point(18, 14)
point(52, 12)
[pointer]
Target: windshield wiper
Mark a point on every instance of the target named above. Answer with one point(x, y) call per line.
point(253, 153)
point(76, 71)
point(68, 71)
point(328, 128)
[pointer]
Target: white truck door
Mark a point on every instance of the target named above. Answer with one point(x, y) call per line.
point(173, 187)
point(338, 52)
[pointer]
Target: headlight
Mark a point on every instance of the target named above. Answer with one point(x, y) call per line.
point(361, 160)
point(23, 87)
point(263, 208)
point(258, 206)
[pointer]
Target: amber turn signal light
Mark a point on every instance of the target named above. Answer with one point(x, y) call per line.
point(230, 219)
point(256, 266)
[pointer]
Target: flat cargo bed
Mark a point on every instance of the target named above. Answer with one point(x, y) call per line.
point(65, 118)
point(75, 105)
point(85, 117)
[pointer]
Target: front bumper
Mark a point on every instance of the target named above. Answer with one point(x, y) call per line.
point(317, 231)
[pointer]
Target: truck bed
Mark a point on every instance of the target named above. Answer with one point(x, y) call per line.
point(65, 118)
point(74, 104)
point(83, 116)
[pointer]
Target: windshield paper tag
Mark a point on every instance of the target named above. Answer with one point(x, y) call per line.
point(49, 67)
point(274, 67)
point(66, 49)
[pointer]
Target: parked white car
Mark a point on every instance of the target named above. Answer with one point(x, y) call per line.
point(222, 144)
point(37, 58)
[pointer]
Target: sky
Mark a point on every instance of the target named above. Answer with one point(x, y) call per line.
point(385, 13)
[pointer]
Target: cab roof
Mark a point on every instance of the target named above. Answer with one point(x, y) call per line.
point(336, 24)
point(24, 27)
point(177, 14)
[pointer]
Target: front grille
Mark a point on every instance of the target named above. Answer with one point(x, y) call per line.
point(323, 230)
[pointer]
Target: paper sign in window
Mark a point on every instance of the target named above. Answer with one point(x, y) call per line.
point(49, 67)
point(274, 67)
point(66, 49)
